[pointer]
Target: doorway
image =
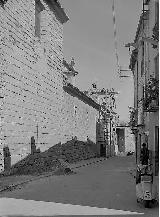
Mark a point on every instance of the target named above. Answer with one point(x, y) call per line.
point(102, 150)
point(156, 150)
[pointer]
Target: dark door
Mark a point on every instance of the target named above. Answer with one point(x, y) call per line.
point(136, 141)
point(121, 139)
point(103, 150)
point(156, 150)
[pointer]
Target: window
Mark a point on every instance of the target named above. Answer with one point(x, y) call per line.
point(156, 65)
point(38, 9)
point(142, 68)
point(143, 93)
point(142, 49)
point(156, 150)
point(136, 85)
point(142, 62)
point(156, 11)
point(140, 140)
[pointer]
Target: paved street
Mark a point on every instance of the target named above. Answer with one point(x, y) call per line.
point(106, 188)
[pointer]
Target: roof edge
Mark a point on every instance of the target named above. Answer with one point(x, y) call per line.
point(75, 92)
point(59, 12)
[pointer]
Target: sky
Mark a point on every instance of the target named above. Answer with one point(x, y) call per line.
point(88, 37)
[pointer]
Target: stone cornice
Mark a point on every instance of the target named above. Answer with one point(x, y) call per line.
point(57, 10)
point(75, 92)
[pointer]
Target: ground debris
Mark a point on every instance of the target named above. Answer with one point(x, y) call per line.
point(56, 159)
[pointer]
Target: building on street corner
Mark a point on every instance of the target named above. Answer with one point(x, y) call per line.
point(106, 135)
point(144, 63)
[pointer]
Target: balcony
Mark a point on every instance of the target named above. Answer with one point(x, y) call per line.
point(155, 35)
point(151, 100)
point(133, 120)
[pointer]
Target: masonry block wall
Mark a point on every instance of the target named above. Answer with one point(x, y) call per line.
point(34, 102)
point(79, 119)
point(31, 81)
point(18, 79)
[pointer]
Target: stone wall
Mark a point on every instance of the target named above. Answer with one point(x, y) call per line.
point(32, 81)
point(34, 102)
point(79, 119)
point(18, 78)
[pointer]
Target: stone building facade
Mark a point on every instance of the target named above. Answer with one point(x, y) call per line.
point(107, 121)
point(144, 64)
point(33, 100)
point(81, 114)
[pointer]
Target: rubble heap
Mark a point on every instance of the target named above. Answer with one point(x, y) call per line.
point(51, 160)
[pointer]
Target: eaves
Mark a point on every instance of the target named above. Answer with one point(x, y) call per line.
point(75, 92)
point(55, 6)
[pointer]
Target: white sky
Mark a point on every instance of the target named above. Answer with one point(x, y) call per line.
point(88, 37)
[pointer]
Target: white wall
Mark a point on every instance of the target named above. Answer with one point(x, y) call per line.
point(33, 83)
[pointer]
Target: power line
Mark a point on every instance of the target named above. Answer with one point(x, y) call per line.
point(115, 37)
point(116, 44)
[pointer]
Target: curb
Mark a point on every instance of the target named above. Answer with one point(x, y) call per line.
point(87, 164)
point(12, 186)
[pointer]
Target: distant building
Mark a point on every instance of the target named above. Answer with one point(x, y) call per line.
point(81, 111)
point(108, 119)
point(125, 139)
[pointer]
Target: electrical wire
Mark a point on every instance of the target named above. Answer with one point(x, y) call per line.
point(115, 37)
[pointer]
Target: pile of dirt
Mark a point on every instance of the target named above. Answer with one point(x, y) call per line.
point(54, 159)
point(74, 151)
point(35, 164)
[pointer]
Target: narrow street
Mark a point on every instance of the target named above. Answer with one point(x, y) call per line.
point(108, 184)
point(79, 87)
